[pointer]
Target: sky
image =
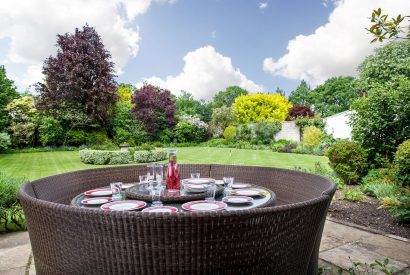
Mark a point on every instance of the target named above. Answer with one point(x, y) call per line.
point(200, 46)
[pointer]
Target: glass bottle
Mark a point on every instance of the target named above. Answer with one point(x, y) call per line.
point(173, 178)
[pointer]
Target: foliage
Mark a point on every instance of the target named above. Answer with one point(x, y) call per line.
point(230, 133)
point(328, 173)
point(187, 105)
point(384, 28)
point(348, 160)
point(301, 94)
point(380, 121)
point(334, 96)
point(312, 136)
point(126, 130)
point(352, 194)
point(191, 129)
point(382, 175)
point(5, 141)
point(265, 131)
point(389, 63)
point(300, 111)
point(80, 77)
point(23, 134)
point(244, 133)
point(221, 118)
point(368, 269)
point(316, 122)
point(155, 108)
point(227, 97)
point(75, 137)
point(380, 189)
point(11, 215)
point(283, 146)
point(401, 211)
point(8, 92)
point(149, 156)
point(261, 107)
point(104, 147)
point(402, 163)
point(21, 110)
point(124, 92)
point(97, 137)
point(50, 131)
point(104, 157)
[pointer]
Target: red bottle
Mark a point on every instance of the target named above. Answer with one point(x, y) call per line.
point(173, 178)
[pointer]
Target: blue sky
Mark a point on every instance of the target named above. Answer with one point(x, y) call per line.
point(201, 46)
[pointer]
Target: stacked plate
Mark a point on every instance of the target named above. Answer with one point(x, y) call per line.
point(248, 192)
point(200, 206)
point(161, 209)
point(99, 192)
point(199, 181)
point(126, 205)
point(238, 200)
point(195, 188)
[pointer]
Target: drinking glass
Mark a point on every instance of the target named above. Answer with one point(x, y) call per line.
point(150, 171)
point(156, 194)
point(144, 181)
point(195, 175)
point(228, 181)
point(159, 172)
point(210, 192)
point(116, 188)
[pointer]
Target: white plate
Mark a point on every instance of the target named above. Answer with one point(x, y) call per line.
point(198, 206)
point(128, 185)
point(123, 205)
point(200, 181)
point(161, 209)
point(247, 192)
point(240, 185)
point(95, 201)
point(195, 188)
point(219, 182)
point(100, 192)
point(237, 200)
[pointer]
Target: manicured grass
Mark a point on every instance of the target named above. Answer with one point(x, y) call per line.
point(37, 165)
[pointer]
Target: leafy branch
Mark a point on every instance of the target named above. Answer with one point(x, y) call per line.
point(385, 28)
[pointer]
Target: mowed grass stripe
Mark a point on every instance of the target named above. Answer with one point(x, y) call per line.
point(38, 165)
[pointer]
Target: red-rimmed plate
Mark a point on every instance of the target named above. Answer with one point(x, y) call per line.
point(240, 185)
point(96, 201)
point(195, 188)
point(248, 192)
point(161, 209)
point(127, 205)
point(238, 200)
point(100, 192)
point(199, 206)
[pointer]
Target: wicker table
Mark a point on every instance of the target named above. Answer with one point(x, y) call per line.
point(268, 200)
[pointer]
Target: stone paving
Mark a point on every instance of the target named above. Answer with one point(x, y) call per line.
point(339, 241)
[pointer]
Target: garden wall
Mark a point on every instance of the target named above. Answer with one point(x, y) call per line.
point(290, 131)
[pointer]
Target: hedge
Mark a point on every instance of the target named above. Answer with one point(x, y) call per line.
point(104, 157)
point(149, 156)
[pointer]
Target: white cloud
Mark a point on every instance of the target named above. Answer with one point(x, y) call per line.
point(337, 47)
point(32, 26)
point(205, 72)
point(263, 5)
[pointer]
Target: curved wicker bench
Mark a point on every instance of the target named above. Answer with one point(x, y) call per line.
point(283, 239)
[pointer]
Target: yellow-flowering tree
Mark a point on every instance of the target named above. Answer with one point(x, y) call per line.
point(261, 107)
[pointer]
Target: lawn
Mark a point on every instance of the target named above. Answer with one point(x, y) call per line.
point(37, 165)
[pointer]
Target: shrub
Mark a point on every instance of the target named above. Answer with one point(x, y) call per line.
point(75, 137)
point(312, 136)
point(221, 118)
point(191, 129)
point(328, 173)
point(299, 111)
point(402, 163)
point(5, 141)
point(50, 131)
point(23, 134)
point(11, 214)
point(149, 156)
point(287, 148)
point(261, 107)
point(104, 157)
point(244, 133)
point(105, 147)
point(216, 142)
point(265, 131)
point(352, 194)
point(380, 190)
point(401, 211)
point(230, 133)
point(304, 122)
point(348, 160)
point(97, 138)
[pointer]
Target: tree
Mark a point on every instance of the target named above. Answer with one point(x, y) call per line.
point(380, 121)
point(300, 111)
point(80, 77)
point(187, 105)
point(228, 96)
point(261, 107)
point(301, 94)
point(124, 92)
point(384, 28)
point(335, 95)
point(155, 108)
point(8, 92)
point(221, 118)
point(21, 110)
point(386, 65)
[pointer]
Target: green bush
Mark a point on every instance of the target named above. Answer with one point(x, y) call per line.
point(305, 122)
point(97, 138)
point(149, 156)
point(380, 190)
point(402, 163)
point(401, 211)
point(11, 214)
point(301, 149)
point(265, 131)
point(23, 134)
point(352, 194)
point(189, 132)
point(75, 137)
point(5, 141)
point(104, 157)
point(312, 136)
point(50, 131)
point(348, 160)
point(244, 133)
point(216, 142)
point(230, 133)
point(105, 147)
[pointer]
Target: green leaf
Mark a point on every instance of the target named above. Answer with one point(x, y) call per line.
point(386, 261)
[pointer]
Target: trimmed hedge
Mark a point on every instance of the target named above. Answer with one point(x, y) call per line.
point(104, 157)
point(149, 156)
